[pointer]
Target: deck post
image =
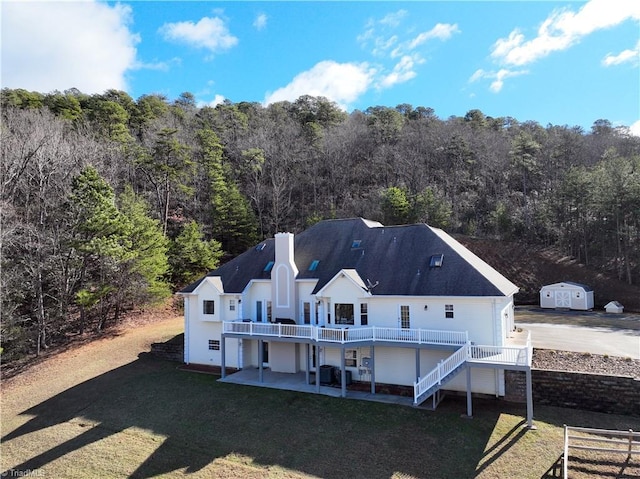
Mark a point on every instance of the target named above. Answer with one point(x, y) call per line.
point(343, 374)
point(373, 369)
point(418, 363)
point(529, 400)
point(308, 364)
point(469, 400)
point(260, 360)
point(223, 363)
point(317, 368)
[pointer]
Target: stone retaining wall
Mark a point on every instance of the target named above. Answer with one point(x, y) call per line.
point(172, 350)
point(591, 392)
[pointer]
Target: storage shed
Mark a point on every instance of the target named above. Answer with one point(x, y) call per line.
point(566, 295)
point(614, 307)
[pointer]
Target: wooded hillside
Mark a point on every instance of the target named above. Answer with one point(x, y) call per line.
point(109, 203)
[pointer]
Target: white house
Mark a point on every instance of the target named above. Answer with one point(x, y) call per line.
point(567, 295)
point(406, 306)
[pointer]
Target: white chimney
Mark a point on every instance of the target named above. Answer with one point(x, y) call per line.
point(283, 278)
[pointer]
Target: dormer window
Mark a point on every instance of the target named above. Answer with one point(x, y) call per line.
point(314, 264)
point(268, 267)
point(436, 261)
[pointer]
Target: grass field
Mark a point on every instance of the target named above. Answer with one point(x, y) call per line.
point(104, 411)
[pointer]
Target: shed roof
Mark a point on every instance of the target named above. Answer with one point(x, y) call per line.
point(569, 283)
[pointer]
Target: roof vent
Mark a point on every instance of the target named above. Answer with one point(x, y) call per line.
point(436, 261)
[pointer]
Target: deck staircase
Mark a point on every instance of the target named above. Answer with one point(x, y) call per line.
point(444, 372)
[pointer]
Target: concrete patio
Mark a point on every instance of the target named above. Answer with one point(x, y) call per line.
point(297, 382)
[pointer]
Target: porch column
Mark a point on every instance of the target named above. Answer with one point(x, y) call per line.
point(317, 368)
point(418, 363)
point(260, 360)
point(308, 365)
point(469, 401)
point(343, 374)
point(373, 369)
point(529, 400)
point(223, 355)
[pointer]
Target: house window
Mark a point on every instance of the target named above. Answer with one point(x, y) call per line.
point(344, 313)
point(259, 311)
point(350, 358)
point(214, 345)
point(232, 305)
point(448, 311)
point(306, 312)
point(405, 319)
point(208, 307)
point(269, 318)
point(364, 314)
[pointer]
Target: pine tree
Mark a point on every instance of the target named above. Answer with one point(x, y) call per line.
point(191, 256)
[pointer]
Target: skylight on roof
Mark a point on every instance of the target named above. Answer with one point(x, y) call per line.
point(436, 261)
point(261, 246)
point(314, 264)
point(268, 267)
point(356, 244)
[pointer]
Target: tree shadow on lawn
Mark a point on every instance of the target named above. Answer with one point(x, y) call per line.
point(203, 420)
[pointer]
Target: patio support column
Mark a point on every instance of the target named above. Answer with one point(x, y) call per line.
point(373, 369)
point(418, 363)
point(469, 400)
point(317, 368)
point(343, 374)
point(223, 355)
point(308, 365)
point(529, 400)
point(260, 360)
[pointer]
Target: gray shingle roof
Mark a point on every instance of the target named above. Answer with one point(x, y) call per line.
point(397, 258)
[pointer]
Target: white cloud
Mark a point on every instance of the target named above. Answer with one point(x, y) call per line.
point(209, 33)
point(403, 71)
point(563, 29)
point(634, 129)
point(342, 83)
point(217, 100)
point(625, 56)
point(498, 77)
point(393, 19)
point(442, 31)
point(61, 45)
point(260, 23)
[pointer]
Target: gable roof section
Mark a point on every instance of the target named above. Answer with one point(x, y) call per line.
point(352, 275)
point(390, 260)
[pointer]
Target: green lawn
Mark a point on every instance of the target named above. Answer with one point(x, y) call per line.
point(147, 419)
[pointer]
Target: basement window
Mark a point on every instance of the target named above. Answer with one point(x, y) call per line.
point(268, 267)
point(314, 265)
point(214, 345)
point(436, 261)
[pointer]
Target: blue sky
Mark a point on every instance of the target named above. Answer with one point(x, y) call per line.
point(547, 61)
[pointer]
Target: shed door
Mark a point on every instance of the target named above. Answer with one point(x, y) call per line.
point(563, 299)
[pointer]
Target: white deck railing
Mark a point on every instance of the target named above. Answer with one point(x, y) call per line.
point(440, 372)
point(347, 335)
point(502, 355)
